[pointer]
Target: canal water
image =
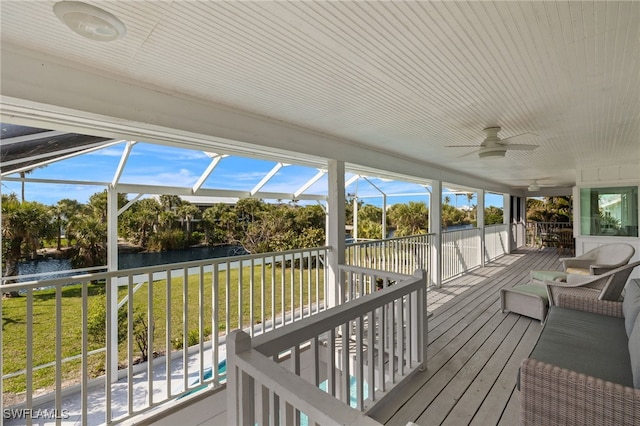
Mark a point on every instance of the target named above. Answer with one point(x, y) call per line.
point(51, 267)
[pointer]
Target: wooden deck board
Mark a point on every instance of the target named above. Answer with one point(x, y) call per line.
point(474, 349)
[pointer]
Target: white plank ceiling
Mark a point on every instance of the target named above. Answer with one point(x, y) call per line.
point(407, 78)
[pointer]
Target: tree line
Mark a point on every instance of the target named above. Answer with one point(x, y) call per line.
point(170, 223)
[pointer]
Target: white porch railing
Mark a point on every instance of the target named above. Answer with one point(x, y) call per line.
point(402, 255)
point(206, 299)
point(177, 306)
point(460, 251)
point(536, 231)
point(496, 241)
point(357, 352)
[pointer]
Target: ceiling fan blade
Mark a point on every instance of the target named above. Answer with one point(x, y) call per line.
point(461, 146)
point(520, 137)
point(469, 153)
point(520, 147)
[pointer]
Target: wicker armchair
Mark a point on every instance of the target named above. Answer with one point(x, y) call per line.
point(607, 286)
point(600, 259)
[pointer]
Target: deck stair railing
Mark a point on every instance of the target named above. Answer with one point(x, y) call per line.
point(356, 352)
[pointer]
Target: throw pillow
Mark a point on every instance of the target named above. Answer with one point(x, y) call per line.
point(634, 353)
point(631, 304)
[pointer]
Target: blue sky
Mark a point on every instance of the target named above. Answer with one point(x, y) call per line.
point(162, 165)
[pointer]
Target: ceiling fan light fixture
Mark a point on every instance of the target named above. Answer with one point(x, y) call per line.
point(89, 21)
point(492, 153)
point(534, 187)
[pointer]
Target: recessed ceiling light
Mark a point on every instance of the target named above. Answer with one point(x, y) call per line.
point(89, 21)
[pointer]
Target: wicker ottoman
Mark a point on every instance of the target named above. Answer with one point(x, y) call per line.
point(530, 300)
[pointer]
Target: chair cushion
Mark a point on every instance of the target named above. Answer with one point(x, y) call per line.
point(580, 271)
point(631, 305)
point(538, 290)
point(549, 275)
point(634, 353)
point(593, 344)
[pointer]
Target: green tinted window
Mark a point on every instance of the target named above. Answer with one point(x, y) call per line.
point(609, 211)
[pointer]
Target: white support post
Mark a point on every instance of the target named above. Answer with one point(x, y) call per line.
point(384, 216)
point(435, 227)
point(335, 232)
point(355, 218)
point(506, 219)
point(480, 221)
point(112, 265)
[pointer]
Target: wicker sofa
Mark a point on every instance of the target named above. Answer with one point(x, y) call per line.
point(585, 367)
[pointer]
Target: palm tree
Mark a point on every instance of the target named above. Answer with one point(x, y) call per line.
point(470, 211)
point(188, 212)
point(91, 242)
point(447, 199)
point(411, 218)
point(24, 224)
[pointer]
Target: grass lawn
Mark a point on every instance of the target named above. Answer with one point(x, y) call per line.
point(165, 296)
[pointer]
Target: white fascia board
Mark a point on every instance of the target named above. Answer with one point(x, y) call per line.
point(36, 88)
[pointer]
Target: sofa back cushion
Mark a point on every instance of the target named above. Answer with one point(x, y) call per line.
point(634, 353)
point(631, 304)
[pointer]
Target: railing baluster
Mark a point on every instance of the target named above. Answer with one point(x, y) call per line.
point(215, 300)
point(58, 353)
point(227, 298)
point(331, 364)
point(240, 293)
point(273, 293)
point(262, 295)
point(150, 327)
point(346, 379)
point(84, 391)
point(371, 331)
point(309, 284)
point(168, 336)
point(130, 338)
point(282, 292)
point(251, 298)
point(201, 325)
point(293, 295)
point(29, 375)
point(359, 373)
point(301, 284)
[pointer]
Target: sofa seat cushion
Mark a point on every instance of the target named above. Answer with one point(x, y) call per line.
point(593, 344)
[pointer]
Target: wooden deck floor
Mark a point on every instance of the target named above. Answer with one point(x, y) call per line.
point(474, 350)
point(473, 356)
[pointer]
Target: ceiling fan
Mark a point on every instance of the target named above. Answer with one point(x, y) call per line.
point(535, 184)
point(493, 146)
